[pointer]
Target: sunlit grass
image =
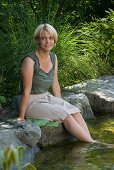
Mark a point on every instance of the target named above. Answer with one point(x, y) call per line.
point(81, 54)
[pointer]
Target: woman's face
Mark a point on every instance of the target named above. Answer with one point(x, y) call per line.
point(46, 41)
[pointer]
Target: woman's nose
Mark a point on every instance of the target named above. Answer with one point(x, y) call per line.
point(47, 40)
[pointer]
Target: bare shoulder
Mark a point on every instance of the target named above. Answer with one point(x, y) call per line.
point(27, 62)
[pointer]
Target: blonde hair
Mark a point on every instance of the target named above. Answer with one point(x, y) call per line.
point(47, 27)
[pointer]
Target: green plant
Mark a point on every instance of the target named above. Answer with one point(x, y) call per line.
point(106, 37)
point(2, 100)
point(79, 54)
point(16, 40)
point(11, 156)
point(84, 51)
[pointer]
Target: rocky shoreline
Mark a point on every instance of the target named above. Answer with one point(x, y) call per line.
point(91, 97)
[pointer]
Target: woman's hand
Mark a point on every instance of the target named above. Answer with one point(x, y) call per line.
point(19, 119)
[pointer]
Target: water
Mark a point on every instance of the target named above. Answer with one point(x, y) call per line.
point(73, 155)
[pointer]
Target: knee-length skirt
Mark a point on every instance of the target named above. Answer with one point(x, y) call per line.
point(48, 107)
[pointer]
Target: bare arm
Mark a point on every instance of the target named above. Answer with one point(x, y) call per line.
point(55, 86)
point(27, 74)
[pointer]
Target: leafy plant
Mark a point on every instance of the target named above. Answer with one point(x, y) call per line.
point(84, 51)
point(79, 53)
point(2, 100)
point(106, 37)
point(16, 40)
point(11, 156)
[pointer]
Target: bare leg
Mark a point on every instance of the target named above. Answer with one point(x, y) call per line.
point(76, 130)
point(79, 119)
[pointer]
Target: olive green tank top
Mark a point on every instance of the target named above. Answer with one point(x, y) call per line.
point(41, 81)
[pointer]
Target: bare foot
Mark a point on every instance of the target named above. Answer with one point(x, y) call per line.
point(104, 144)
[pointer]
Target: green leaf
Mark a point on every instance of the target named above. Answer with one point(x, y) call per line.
point(29, 166)
point(2, 157)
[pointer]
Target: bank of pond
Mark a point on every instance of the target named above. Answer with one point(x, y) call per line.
point(72, 154)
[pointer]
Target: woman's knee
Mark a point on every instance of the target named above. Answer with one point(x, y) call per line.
point(78, 114)
point(69, 118)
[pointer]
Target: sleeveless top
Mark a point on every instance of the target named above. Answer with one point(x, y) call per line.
point(41, 81)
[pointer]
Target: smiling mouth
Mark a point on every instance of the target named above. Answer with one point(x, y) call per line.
point(48, 45)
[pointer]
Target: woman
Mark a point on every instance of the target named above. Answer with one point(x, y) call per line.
point(39, 73)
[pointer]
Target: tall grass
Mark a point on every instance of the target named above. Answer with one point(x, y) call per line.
point(79, 54)
point(16, 40)
point(79, 50)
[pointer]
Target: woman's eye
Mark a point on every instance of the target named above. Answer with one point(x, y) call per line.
point(43, 38)
point(51, 38)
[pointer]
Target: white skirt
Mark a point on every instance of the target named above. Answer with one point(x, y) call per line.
point(49, 107)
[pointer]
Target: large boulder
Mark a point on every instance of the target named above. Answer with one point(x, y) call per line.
point(29, 134)
point(52, 135)
point(81, 101)
point(18, 134)
point(100, 93)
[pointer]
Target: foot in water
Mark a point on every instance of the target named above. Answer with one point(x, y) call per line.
point(104, 144)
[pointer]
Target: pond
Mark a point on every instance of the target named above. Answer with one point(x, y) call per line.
point(75, 155)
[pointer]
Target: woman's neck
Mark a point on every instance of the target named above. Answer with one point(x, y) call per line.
point(42, 54)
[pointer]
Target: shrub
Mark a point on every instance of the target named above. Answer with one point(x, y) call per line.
point(12, 156)
point(84, 52)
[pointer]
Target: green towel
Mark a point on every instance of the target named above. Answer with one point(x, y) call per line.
point(41, 122)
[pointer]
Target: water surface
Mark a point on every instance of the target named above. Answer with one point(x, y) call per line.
point(75, 155)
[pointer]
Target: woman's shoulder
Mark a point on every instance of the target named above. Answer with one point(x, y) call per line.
point(29, 56)
point(32, 55)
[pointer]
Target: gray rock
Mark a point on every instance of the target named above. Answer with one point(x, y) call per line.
point(80, 101)
point(16, 102)
point(30, 134)
point(7, 137)
point(11, 133)
point(52, 135)
point(100, 93)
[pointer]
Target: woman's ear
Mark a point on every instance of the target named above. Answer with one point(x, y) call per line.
point(37, 40)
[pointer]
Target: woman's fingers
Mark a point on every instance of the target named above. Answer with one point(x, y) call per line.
point(19, 119)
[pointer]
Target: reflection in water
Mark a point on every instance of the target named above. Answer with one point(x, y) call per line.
point(73, 155)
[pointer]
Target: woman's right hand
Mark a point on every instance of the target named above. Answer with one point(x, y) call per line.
point(19, 119)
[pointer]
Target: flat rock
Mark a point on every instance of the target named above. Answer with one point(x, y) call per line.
point(100, 93)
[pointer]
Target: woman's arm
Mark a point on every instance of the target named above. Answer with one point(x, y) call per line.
point(55, 86)
point(27, 74)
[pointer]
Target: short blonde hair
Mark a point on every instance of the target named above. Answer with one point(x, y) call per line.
point(47, 27)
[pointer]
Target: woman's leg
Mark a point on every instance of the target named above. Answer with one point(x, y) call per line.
point(79, 119)
point(76, 130)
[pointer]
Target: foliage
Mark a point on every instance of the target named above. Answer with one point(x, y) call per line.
point(12, 156)
point(83, 50)
point(16, 39)
point(51, 11)
point(83, 53)
point(2, 100)
point(106, 37)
